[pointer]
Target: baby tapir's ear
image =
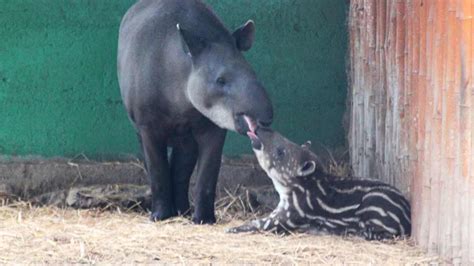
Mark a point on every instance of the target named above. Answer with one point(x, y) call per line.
point(307, 168)
point(193, 45)
point(306, 145)
point(244, 36)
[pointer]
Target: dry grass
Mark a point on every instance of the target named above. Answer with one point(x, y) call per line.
point(33, 235)
point(52, 235)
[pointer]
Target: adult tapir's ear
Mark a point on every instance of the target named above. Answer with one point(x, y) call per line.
point(307, 168)
point(244, 36)
point(193, 45)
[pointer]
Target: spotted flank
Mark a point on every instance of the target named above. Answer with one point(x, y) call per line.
point(313, 201)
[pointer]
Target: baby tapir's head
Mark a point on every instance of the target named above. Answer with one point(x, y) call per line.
point(282, 159)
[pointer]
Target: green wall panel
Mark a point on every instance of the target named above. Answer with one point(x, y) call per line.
point(58, 88)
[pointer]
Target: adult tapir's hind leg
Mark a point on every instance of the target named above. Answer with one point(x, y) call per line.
point(183, 160)
point(155, 153)
point(210, 140)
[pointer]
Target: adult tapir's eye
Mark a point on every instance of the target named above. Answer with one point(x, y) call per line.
point(280, 152)
point(221, 81)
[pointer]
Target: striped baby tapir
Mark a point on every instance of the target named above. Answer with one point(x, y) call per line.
point(316, 202)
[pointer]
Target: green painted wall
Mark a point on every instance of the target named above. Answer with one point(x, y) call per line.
point(59, 94)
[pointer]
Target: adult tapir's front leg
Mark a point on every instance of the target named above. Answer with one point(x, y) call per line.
point(210, 142)
point(183, 160)
point(156, 162)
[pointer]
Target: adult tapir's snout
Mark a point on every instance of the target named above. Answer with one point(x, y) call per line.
point(263, 113)
point(256, 106)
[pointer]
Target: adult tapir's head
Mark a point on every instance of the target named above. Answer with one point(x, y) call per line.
point(222, 85)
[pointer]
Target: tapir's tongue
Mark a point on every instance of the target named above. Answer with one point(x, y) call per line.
point(250, 123)
point(252, 135)
point(256, 143)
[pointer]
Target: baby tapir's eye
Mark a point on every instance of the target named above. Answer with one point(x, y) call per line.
point(280, 152)
point(221, 81)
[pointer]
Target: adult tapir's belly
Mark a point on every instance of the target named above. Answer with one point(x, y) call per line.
point(152, 68)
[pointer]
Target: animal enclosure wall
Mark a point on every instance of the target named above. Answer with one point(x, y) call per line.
point(58, 85)
point(412, 116)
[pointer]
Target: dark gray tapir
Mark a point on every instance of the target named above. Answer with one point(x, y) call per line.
point(184, 81)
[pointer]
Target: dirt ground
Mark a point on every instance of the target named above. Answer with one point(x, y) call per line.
point(53, 235)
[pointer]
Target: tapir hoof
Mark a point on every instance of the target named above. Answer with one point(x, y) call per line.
point(204, 220)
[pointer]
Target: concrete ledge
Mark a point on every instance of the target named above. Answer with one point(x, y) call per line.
point(30, 178)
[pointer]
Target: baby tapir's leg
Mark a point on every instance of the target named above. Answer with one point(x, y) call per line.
point(272, 223)
point(264, 224)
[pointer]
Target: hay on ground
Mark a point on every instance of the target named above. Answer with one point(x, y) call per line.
point(31, 234)
point(114, 234)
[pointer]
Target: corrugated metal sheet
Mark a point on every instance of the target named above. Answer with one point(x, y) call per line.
point(412, 113)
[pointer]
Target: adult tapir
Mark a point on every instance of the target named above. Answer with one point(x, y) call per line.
point(184, 82)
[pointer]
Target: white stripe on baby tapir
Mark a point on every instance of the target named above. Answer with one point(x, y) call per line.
point(304, 226)
point(318, 183)
point(366, 234)
point(308, 200)
point(336, 210)
point(351, 219)
point(297, 205)
point(300, 187)
point(267, 224)
point(374, 209)
point(274, 214)
point(387, 198)
point(329, 224)
point(367, 189)
point(405, 203)
point(324, 219)
point(396, 219)
point(386, 228)
point(338, 222)
point(290, 223)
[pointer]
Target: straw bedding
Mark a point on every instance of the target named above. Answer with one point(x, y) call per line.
point(31, 234)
